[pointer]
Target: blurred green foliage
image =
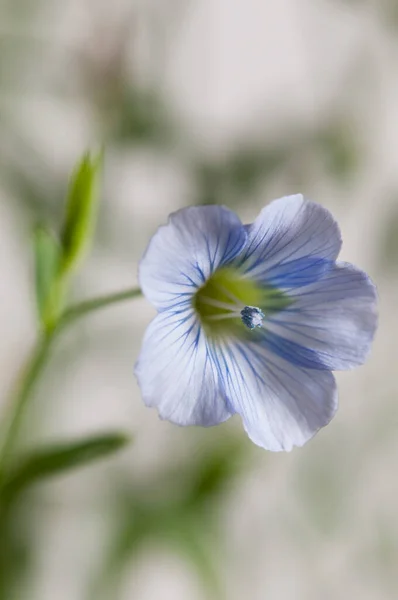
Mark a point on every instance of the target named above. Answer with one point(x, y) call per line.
point(388, 252)
point(50, 461)
point(140, 118)
point(182, 509)
point(16, 545)
point(31, 468)
point(249, 168)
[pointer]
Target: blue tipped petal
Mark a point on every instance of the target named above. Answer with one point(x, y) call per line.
point(292, 242)
point(175, 373)
point(185, 252)
point(331, 323)
point(282, 405)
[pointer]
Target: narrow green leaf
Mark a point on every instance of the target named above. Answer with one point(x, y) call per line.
point(58, 458)
point(47, 258)
point(81, 209)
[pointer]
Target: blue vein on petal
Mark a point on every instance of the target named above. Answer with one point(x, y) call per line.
point(193, 345)
point(269, 366)
point(299, 272)
point(296, 353)
point(271, 252)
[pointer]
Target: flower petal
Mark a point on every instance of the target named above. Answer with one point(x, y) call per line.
point(183, 254)
point(292, 242)
point(281, 405)
point(331, 323)
point(175, 373)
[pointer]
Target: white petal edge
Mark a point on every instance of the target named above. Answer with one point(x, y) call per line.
point(281, 405)
point(182, 254)
point(176, 374)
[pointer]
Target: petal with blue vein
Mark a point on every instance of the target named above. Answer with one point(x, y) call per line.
point(185, 252)
point(330, 324)
point(282, 405)
point(292, 242)
point(298, 272)
point(175, 372)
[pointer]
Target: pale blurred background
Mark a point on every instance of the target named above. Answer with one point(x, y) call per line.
point(198, 101)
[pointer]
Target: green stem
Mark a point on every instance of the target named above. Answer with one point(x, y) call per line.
point(80, 310)
point(19, 402)
point(38, 359)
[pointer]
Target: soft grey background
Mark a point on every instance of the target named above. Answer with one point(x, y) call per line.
point(307, 92)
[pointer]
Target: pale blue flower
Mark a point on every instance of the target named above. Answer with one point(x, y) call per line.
point(252, 319)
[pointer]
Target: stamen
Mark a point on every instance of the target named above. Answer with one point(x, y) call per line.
point(252, 317)
point(217, 303)
point(230, 315)
point(229, 294)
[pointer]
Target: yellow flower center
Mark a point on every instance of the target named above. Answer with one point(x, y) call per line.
point(220, 302)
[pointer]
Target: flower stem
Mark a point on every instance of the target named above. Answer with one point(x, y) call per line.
point(37, 361)
point(77, 311)
point(19, 402)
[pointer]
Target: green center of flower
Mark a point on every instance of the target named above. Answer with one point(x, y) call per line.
point(229, 303)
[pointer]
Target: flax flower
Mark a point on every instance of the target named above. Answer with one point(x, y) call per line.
point(252, 319)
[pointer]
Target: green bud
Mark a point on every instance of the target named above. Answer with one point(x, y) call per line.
point(81, 210)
